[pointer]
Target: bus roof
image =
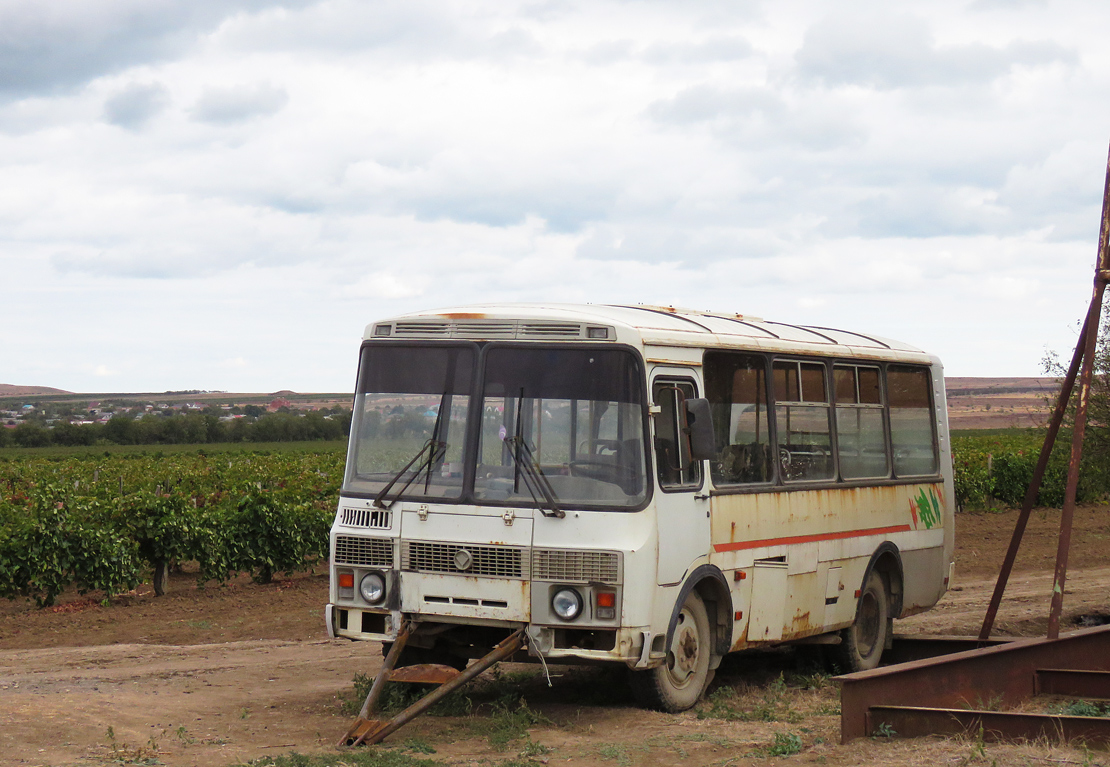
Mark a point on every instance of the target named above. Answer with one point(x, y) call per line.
point(645, 324)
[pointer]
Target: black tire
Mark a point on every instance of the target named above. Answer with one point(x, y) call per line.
point(680, 681)
point(862, 644)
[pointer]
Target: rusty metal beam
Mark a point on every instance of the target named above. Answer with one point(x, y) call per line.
point(1035, 483)
point(1080, 423)
point(1082, 364)
point(910, 647)
point(916, 722)
point(1003, 675)
point(1073, 683)
point(507, 647)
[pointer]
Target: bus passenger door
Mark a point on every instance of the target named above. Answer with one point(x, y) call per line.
point(682, 506)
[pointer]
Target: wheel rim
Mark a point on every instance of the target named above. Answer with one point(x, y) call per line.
point(685, 651)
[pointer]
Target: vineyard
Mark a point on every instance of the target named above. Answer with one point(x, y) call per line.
point(996, 469)
point(109, 521)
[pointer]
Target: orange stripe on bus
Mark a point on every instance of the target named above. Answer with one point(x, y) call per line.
point(741, 545)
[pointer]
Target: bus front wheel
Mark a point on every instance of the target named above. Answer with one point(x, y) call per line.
point(679, 682)
point(862, 643)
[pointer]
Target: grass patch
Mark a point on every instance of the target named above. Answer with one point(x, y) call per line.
point(784, 744)
point(1080, 708)
point(495, 706)
point(352, 758)
point(397, 696)
point(508, 721)
point(772, 703)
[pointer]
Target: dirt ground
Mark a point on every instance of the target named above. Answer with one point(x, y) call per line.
point(219, 676)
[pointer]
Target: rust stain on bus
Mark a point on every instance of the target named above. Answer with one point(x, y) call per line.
point(771, 519)
point(465, 315)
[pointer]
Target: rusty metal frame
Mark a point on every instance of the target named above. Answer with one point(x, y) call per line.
point(948, 694)
point(963, 692)
point(1082, 365)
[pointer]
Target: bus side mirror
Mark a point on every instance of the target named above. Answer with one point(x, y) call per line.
point(699, 427)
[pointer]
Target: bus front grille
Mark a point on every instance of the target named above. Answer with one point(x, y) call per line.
point(367, 552)
point(582, 566)
point(379, 518)
point(489, 561)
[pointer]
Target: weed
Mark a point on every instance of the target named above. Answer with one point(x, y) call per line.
point(509, 721)
point(615, 752)
point(784, 744)
point(183, 735)
point(1080, 708)
point(532, 748)
point(244, 713)
point(773, 705)
point(884, 730)
point(417, 745)
point(397, 696)
point(359, 758)
point(817, 680)
point(993, 703)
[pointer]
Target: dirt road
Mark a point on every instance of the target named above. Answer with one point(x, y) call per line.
point(219, 676)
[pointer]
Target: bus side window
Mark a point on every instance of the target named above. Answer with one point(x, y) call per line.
point(672, 447)
point(736, 387)
point(802, 420)
point(860, 439)
point(912, 437)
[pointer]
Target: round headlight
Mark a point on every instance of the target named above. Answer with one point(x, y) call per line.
point(372, 588)
point(567, 604)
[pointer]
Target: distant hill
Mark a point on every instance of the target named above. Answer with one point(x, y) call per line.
point(9, 390)
point(1000, 403)
point(973, 403)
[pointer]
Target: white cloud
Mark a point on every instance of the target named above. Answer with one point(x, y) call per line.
point(136, 104)
point(226, 105)
point(288, 172)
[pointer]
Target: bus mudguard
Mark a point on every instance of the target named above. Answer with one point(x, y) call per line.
point(713, 586)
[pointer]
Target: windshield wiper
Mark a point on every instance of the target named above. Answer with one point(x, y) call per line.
point(534, 478)
point(432, 451)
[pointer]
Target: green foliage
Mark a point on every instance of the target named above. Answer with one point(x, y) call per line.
point(997, 468)
point(353, 758)
point(1080, 708)
point(773, 704)
point(784, 744)
point(100, 522)
point(203, 427)
point(397, 696)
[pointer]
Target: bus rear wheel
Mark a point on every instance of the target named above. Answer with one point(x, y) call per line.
point(862, 644)
point(680, 681)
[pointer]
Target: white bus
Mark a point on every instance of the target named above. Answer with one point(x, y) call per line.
point(642, 485)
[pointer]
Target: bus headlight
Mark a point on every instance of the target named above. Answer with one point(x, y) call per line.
point(567, 604)
point(372, 588)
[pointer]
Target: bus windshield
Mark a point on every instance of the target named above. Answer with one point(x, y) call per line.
point(411, 403)
point(573, 416)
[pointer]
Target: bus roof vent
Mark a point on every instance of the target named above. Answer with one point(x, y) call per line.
point(499, 329)
point(483, 330)
point(550, 330)
point(422, 329)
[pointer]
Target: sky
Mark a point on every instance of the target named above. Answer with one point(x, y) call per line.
point(222, 194)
